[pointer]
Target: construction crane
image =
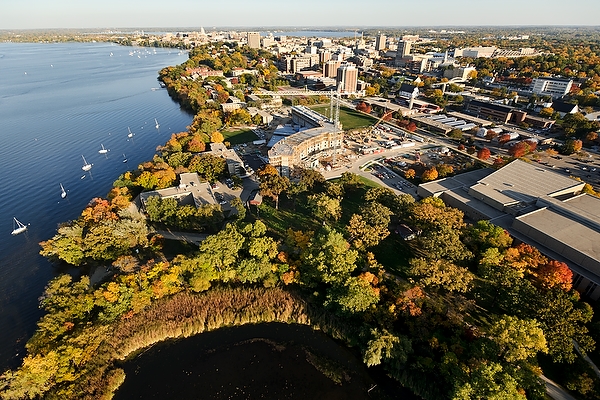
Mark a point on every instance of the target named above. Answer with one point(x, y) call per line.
point(334, 114)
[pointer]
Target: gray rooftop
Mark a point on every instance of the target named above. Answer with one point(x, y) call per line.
point(520, 181)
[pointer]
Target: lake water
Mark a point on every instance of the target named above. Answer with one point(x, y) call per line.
point(57, 103)
point(264, 361)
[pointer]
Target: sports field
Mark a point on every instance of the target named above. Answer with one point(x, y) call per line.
point(350, 119)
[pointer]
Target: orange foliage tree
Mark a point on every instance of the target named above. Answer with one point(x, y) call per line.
point(484, 153)
point(429, 174)
point(555, 274)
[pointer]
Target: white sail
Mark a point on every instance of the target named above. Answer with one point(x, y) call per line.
point(130, 134)
point(63, 192)
point(18, 227)
point(86, 165)
point(103, 150)
point(157, 124)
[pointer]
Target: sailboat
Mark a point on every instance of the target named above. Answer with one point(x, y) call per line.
point(63, 192)
point(130, 134)
point(86, 165)
point(18, 227)
point(124, 158)
point(156, 122)
point(103, 151)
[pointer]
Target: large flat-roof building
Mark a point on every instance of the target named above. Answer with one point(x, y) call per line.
point(491, 111)
point(537, 206)
point(554, 87)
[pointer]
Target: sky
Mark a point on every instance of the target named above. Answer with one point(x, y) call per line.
point(45, 14)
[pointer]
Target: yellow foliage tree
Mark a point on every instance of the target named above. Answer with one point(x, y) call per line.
point(216, 137)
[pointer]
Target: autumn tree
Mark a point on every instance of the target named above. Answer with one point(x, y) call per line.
point(410, 173)
point(271, 183)
point(440, 274)
point(444, 170)
point(484, 153)
point(325, 208)
point(430, 174)
point(572, 146)
point(554, 274)
point(517, 339)
point(503, 139)
point(216, 137)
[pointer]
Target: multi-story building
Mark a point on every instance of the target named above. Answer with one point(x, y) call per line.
point(347, 77)
point(402, 50)
point(253, 39)
point(491, 111)
point(330, 68)
point(555, 87)
point(458, 72)
point(304, 149)
point(475, 52)
point(380, 42)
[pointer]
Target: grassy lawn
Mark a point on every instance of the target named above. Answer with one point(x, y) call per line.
point(239, 136)
point(350, 119)
point(280, 220)
point(393, 252)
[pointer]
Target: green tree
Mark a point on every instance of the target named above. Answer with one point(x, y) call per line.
point(440, 274)
point(324, 207)
point(354, 295)
point(517, 339)
point(386, 347)
point(328, 259)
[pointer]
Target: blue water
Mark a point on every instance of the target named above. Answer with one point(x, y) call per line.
point(57, 103)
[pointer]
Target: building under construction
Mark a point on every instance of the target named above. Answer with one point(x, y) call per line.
point(321, 139)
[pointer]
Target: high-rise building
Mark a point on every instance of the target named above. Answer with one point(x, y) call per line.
point(402, 51)
point(324, 56)
point(347, 77)
point(253, 39)
point(330, 68)
point(380, 42)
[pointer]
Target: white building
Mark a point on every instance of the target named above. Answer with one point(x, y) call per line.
point(555, 87)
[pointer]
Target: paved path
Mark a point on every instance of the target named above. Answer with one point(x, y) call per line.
point(194, 238)
point(555, 391)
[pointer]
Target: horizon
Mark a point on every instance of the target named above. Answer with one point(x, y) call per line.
point(112, 14)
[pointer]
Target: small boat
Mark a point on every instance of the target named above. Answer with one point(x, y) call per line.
point(86, 166)
point(157, 124)
point(103, 151)
point(130, 134)
point(18, 227)
point(124, 158)
point(63, 192)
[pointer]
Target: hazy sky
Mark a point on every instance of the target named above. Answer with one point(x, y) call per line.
point(27, 14)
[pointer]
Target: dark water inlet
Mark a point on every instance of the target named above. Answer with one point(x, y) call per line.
point(266, 361)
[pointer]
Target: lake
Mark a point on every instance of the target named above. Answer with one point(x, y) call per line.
point(263, 361)
point(59, 102)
